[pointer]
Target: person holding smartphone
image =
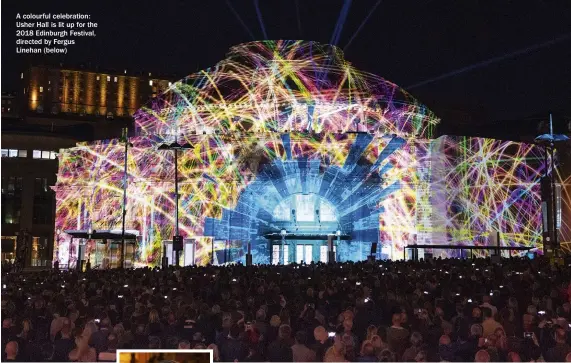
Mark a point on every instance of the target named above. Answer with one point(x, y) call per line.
point(323, 340)
point(561, 348)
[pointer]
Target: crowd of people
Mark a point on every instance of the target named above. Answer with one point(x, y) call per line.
point(437, 310)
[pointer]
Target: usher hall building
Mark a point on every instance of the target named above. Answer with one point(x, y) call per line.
point(285, 150)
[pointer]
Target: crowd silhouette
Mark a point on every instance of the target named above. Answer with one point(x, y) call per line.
point(437, 310)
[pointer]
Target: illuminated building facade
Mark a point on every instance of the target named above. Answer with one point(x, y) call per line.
point(54, 109)
point(290, 139)
point(110, 94)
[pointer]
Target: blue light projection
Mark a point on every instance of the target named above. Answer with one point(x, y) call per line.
point(306, 196)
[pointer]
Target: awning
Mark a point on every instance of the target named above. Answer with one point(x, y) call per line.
point(111, 235)
point(307, 236)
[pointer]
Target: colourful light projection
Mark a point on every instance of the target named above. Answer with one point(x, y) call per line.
point(565, 232)
point(280, 119)
point(283, 86)
point(484, 185)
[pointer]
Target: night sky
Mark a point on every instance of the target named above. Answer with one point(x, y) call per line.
point(404, 41)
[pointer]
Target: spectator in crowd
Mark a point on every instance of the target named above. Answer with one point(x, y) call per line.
point(184, 344)
point(336, 353)
point(110, 354)
point(482, 356)
point(367, 352)
point(300, 351)
point(410, 353)
point(11, 351)
point(64, 344)
point(397, 335)
point(489, 325)
point(559, 352)
point(280, 350)
point(445, 309)
point(487, 299)
point(82, 351)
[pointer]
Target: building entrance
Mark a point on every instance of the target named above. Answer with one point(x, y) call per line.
point(299, 250)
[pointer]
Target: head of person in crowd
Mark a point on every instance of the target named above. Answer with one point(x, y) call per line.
point(443, 309)
point(482, 356)
point(11, 350)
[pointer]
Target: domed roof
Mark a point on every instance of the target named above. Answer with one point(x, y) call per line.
point(283, 86)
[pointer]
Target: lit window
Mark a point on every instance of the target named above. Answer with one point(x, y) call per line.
point(45, 154)
point(41, 89)
point(108, 78)
point(21, 75)
point(299, 253)
point(4, 153)
point(150, 83)
point(305, 206)
point(323, 254)
point(115, 79)
point(308, 254)
point(13, 153)
point(23, 153)
point(37, 154)
point(97, 78)
point(53, 155)
point(276, 254)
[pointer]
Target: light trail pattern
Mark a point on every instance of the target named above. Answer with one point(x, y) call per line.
point(484, 186)
point(280, 118)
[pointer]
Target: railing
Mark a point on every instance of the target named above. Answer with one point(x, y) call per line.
point(415, 249)
point(41, 263)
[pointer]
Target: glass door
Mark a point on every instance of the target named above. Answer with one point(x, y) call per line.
point(304, 253)
point(323, 252)
point(299, 251)
point(276, 254)
point(308, 258)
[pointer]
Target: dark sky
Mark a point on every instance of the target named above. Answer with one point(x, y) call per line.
point(404, 41)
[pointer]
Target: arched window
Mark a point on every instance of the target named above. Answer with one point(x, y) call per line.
point(305, 208)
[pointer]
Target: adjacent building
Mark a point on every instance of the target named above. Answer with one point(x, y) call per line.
point(55, 108)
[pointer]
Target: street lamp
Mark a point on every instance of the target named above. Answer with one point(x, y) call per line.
point(176, 147)
point(283, 233)
point(332, 257)
point(549, 141)
point(125, 140)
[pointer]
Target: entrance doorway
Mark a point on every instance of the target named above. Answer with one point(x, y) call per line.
point(303, 253)
point(298, 251)
point(276, 249)
point(323, 253)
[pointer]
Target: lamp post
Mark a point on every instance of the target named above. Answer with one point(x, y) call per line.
point(176, 147)
point(58, 233)
point(333, 254)
point(549, 141)
point(283, 233)
point(125, 140)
